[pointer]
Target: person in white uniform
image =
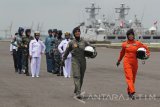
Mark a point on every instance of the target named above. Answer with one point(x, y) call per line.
point(13, 51)
point(62, 47)
point(36, 49)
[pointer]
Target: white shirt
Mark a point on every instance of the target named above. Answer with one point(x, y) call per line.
point(62, 47)
point(13, 47)
point(36, 48)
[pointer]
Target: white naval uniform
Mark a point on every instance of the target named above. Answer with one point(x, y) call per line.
point(67, 68)
point(36, 48)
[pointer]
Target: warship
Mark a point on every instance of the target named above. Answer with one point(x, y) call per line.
point(94, 29)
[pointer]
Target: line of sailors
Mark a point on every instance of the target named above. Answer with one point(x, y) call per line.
point(25, 48)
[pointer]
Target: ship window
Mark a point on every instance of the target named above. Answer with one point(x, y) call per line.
point(156, 37)
point(146, 37)
point(122, 37)
point(111, 37)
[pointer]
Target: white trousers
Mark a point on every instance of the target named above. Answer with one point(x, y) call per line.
point(35, 66)
point(67, 68)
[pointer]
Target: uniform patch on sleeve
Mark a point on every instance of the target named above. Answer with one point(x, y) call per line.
point(75, 45)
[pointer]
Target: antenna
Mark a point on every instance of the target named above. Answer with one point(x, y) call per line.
point(41, 27)
point(123, 11)
point(92, 14)
point(10, 29)
point(38, 26)
point(143, 13)
point(32, 26)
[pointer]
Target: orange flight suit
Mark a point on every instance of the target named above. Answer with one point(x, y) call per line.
point(130, 64)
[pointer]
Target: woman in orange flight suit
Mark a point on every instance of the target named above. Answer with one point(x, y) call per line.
point(130, 63)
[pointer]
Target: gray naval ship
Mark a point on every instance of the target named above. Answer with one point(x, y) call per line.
point(115, 31)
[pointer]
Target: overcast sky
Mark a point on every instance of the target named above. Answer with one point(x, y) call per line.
point(66, 14)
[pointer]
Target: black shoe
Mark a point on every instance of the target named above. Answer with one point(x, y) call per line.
point(132, 95)
point(54, 72)
point(27, 74)
point(49, 71)
point(58, 74)
point(20, 71)
point(78, 96)
point(62, 74)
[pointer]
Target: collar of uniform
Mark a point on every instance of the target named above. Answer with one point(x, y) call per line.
point(50, 36)
point(130, 41)
point(79, 40)
point(20, 36)
point(67, 40)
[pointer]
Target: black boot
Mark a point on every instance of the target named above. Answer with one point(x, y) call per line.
point(58, 74)
point(62, 74)
point(49, 71)
point(78, 96)
point(54, 72)
point(131, 95)
point(27, 73)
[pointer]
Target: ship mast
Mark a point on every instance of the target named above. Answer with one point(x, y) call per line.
point(92, 14)
point(123, 11)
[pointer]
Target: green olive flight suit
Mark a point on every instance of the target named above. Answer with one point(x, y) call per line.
point(78, 61)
